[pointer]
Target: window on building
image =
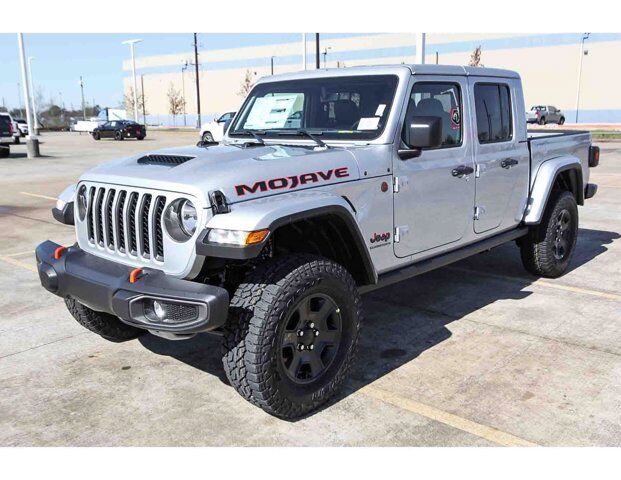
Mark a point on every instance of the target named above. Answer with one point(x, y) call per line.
point(493, 111)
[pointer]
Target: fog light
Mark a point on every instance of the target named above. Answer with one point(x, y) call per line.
point(159, 310)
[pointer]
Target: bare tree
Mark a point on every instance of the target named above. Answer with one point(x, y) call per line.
point(247, 83)
point(176, 102)
point(128, 102)
point(475, 58)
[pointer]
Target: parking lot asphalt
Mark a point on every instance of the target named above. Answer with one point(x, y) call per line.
point(476, 353)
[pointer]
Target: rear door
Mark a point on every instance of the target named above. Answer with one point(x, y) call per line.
point(432, 205)
point(502, 159)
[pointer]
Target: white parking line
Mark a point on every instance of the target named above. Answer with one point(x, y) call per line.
point(483, 431)
point(38, 196)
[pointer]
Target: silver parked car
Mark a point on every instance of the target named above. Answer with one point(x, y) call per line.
point(543, 114)
point(327, 184)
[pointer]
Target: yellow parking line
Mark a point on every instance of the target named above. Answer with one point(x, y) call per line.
point(17, 263)
point(542, 283)
point(483, 431)
point(18, 254)
point(38, 196)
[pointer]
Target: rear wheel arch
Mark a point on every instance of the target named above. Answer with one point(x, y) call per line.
point(570, 179)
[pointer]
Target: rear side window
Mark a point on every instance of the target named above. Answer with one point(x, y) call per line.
point(493, 110)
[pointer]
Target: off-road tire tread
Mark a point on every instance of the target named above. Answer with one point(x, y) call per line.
point(249, 337)
point(106, 325)
point(536, 248)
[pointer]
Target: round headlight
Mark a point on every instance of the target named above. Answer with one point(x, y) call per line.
point(188, 217)
point(82, 203)
point(181, 219)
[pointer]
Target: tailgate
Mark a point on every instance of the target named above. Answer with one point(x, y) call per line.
point(5, 127)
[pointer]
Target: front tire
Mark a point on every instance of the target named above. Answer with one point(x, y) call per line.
point(542, 121)
point(561, 121)
point(96, 136)
point(547, 249)
point(103, 324)
point(118, 136)
point(207, 137)
point(292, 334)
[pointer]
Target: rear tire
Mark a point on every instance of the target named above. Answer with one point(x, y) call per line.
point(292, 334)
point(561, 121)
point(103, 324)
point(548, 247)
point(207, 137)
point(542, 121)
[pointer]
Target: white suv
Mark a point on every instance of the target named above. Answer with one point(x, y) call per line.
point(214, 130)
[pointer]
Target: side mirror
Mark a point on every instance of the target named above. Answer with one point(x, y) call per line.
point(423, 132)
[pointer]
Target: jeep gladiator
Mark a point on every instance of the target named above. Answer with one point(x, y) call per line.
point(327, 184)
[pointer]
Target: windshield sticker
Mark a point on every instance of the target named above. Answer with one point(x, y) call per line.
point(292, 182)
point(380, 110)
point(368, 123)
point(272, 111)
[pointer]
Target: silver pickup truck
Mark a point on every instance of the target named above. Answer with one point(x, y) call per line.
point(327, 184)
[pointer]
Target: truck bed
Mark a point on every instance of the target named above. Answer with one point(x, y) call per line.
point(547, 144)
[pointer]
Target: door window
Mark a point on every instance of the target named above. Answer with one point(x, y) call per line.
point(493, 111)
point(443, 100)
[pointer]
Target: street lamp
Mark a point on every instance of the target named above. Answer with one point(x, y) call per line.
point(325, 54)
point(131, 44)
point(32, 98)
point(184, 67)
point(32, 143)
point(585, 36)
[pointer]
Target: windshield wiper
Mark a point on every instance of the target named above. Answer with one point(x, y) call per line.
point(254, 134)
point(306, 133)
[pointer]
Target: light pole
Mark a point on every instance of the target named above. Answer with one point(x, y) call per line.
point(19, 99)
point(144, 108)
point(32, 143)
point(32, 98)
point(420, 48)
point(184, 67)
point(198, 87)
point(325, 55)
point(317, 66)
point(585, 36)
point(304, 51)
point(272, 65)
point(82, 95)
point(131, 44)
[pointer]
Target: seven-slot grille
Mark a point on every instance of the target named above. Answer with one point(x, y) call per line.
point(126, 221)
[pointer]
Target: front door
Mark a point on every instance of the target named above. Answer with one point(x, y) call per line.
point(502, 159)
point(434, 198)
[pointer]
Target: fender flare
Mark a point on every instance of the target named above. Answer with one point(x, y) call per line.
point(275, 212)
point(543, 183)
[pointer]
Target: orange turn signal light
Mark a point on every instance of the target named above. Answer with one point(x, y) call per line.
point(59, 252)
point(135, 275)
point(257, 236)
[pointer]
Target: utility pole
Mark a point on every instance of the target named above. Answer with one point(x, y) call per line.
point(304, 51)
point(19, 99)
point(420, 48)
point(82, 94)
point(131, 44)
point(32, 143)
point(198, 88)
point(317, 65)
point(437, 57)
point(144, 109)
point(272, 65)
point(184, 67)
point(585, 36)
point(32, 98)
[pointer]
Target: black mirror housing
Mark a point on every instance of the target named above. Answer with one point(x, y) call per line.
point(423, 132)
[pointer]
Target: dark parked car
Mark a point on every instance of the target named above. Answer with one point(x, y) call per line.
point(120, 130)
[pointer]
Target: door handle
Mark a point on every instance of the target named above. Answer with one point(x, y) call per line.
point(461, 171)
point(508, 163)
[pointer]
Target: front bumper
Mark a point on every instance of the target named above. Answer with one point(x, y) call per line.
point(104, 286)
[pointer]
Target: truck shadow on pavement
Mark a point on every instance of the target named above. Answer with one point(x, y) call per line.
point(401, 321)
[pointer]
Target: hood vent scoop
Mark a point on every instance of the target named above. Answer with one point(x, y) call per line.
point(158, 159)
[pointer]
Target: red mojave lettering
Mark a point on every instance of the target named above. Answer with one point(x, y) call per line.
point(291, 182)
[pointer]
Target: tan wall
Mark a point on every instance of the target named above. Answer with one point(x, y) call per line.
point(549, 73)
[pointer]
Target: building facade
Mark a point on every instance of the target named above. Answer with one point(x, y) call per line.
point(550, 66)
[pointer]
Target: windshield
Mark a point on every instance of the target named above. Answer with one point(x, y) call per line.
point(346, 107)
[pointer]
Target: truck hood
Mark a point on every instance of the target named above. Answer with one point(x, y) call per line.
point(241, 173)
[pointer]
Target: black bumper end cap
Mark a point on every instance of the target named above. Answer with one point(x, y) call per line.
point(65, 215)
point(590, 190)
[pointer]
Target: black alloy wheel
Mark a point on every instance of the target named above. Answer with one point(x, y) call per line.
point(311, 337)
